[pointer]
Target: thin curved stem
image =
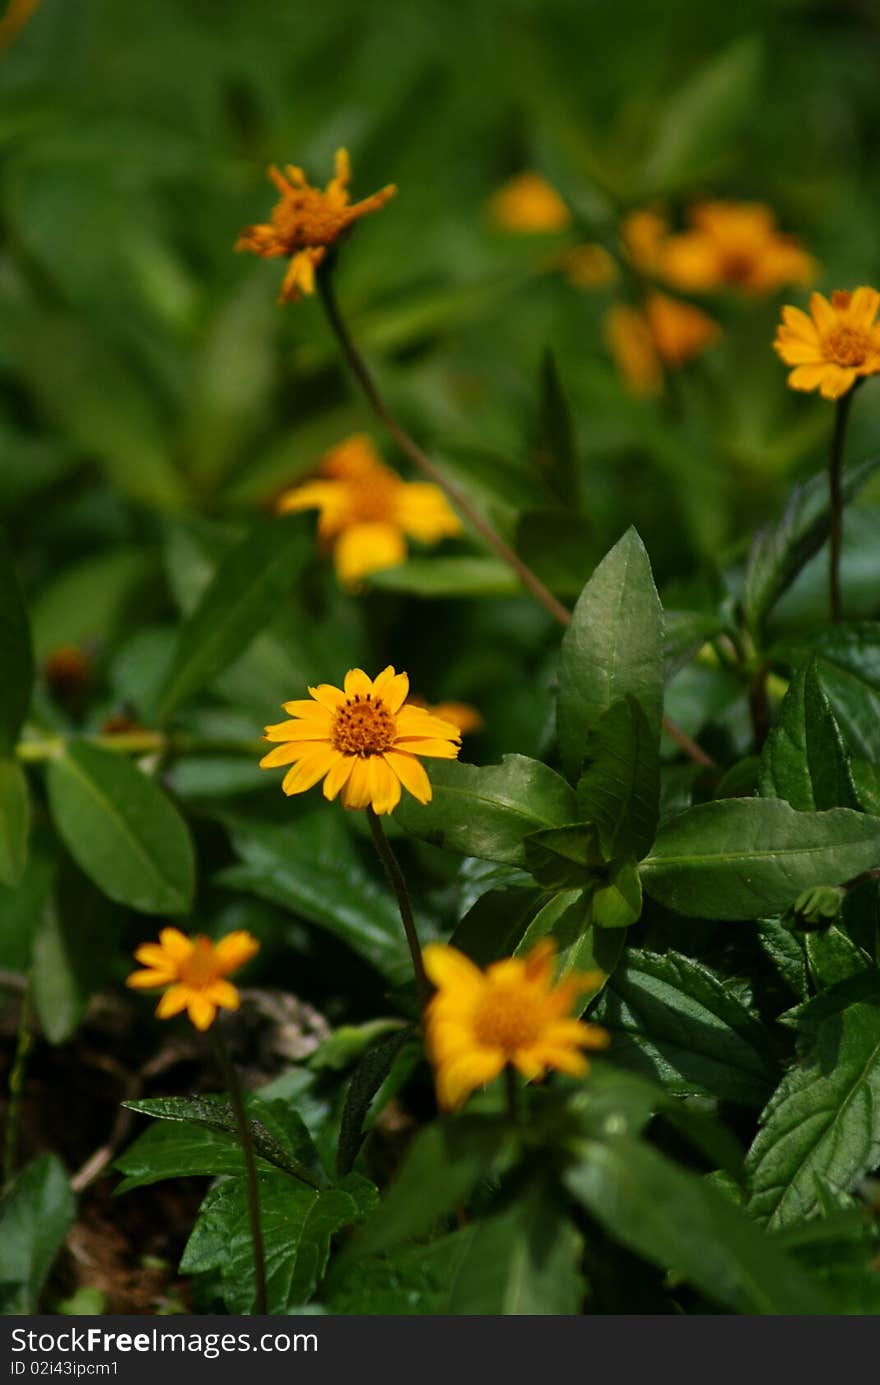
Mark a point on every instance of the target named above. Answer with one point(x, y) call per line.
point(398, 885)
point(835, 479)
point(529, 579)
point(233, 1086)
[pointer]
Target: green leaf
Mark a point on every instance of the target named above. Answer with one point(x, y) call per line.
point(583, 946)
point(122, 830)
point(618, 903)
point(16, 655)
point(613, 647)
point(74, 952)
point(781, 550)
point(278, 1132)
point(674, 1020)
point(848, 664)
point(488, 811)
point(522, 1260)
point(437, 1174)
point(87, 603)
point(804, 759)
point(448, 577)
point(823, 1120)
point(619, 790)
point(562, 858)
point(245, 593)
point(833, 956)
point(15, 821)
point(743, 858)
point(495, 923)
point(298, 1224)
point(367, 1078)
point(166, 1150)
point(36, 1213)
point(323, 883)
point(699, 123)
point(680, 1222)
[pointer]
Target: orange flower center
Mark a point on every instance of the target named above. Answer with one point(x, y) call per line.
point(371, 497)
point(847, 346)
point(199, 969)
point(508, 1018)
point(737, 266)
point(363, 727)
point(308, 217)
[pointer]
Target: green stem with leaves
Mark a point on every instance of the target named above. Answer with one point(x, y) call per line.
point(835, 477)
point(398, 885)
point(233, 1086)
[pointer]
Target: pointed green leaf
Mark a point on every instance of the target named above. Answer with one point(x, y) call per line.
point(613, 647)
point(744, 858)
point(36, 1213)
point(489, 810)
point(804, 759)
point(619, 790)
point(122, 830)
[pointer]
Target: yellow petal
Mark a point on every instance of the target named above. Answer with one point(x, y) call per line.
point(328, 696)
point(153, 955)
point(448, 967)
point(437, 750)
point(365, 548)
point(307, 729)
point(304, 707)
point(286, 754)
point(393, 688)
point(224, 994)
point(201, 1010)
point(337, 775)
point(150, 979)
point(175, 999)
point(234, 950)
point(356, 792)
point(384, 785)
point(357, 684)
point(458, 1079)
point(423, 512)
point(836, 381)
point(411, 774)
point(176, 944)
point(864, 305)
point(415, 721)
point(546, 1055)
point(309, 770)
point(824, 316)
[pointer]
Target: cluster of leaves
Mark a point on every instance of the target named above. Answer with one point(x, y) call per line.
point(719, 1156)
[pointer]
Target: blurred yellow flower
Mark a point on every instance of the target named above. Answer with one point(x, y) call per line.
point(478, 1022)
point(735, 244)
point(306, 221)
point(665, 333)
point(836, 345)
point(528, 205)
point(367, 511)
point(194, 971)
point(363, 739)
point(644, 233)
point(589, 266)
point(461, 714)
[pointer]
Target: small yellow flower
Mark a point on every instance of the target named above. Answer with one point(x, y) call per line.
point(735, 244)
point(362, 740)
point(461, 714)
point(194, 970)
point(589, 266)
point(478, 1022)
point(836, 345)
point(306, 221)
point(367, 512)
point(528, 205)
point(666, 333)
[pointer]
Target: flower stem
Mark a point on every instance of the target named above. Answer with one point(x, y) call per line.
point(512, 1094)
point(16, 1086)
point(835, 477)
point(398, 885)
point(233, 1086)
point(529, 579)
point(422, 460)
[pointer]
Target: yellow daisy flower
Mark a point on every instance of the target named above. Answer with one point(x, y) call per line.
point(362, 740)
point(367, 512)
point(666, 333)
point(479, 1022)
point(461, 714)
point(528, 205)
point(306, 221)
point(194, 971)
point(735, 244)
point(836, 345)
